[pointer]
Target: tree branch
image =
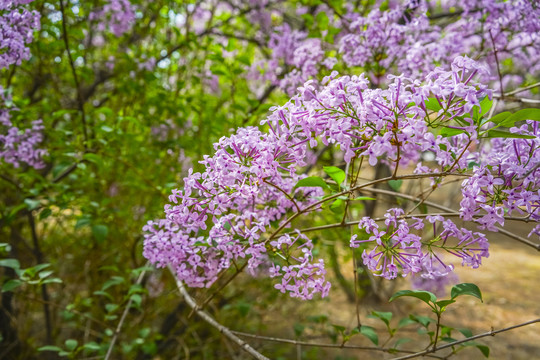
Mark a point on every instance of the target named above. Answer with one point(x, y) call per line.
point(211, 321)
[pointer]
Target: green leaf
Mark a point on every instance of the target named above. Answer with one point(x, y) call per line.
point(136, 299)
point(11, 285)
point(466, 332)
point(405, 321)
point(340, 329)
point(425, 296)
point(385, 316)
point(525, 114)
point(505, 134)
point(395, 184)
point(485, 105)
point(447, 132)
point(115, 280)
point(484, 350)
point(401, 341)
point(422, 320)
point(32, 204)
point(49, 348)
point(444, 303)
point(500, 117)
point(311, 181)
point(92, 346)
point(100, 232)
point(335, 173)
point(10, 263)
point(466, 289)
point(45, 213)
point(370, 333)
point(338, 206)
point(433, 104)
point(71, 344)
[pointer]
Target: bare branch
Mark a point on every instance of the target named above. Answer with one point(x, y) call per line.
point(211, 321)
point(488, 333)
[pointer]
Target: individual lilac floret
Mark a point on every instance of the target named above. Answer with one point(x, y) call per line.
point(17, 26)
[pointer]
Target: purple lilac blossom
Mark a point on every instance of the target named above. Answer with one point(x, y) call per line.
point(17, 25)
point(19, 146)
point(119, 15)
point(222, 214)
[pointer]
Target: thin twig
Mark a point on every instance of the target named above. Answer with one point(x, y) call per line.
point(123, 318)
point(323, 345)
point(488, 333)
point(80, 99)
point(211, 321)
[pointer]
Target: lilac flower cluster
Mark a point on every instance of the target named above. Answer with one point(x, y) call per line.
point(404, 39)
point(507, 182)
point(17, 25)
point(120, 15)
point(248, 185)
point(20, 146)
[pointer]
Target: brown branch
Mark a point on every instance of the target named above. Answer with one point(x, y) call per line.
point(80, 99)
point(123, 318)
point(325, 345)
point(488, 333)
point(211, 321)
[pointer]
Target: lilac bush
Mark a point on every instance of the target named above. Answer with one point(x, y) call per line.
point(252, 183)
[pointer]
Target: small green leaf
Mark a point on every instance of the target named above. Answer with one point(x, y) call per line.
point(466, 289)
point(10, 263)
point(32, 204)
point(425, 296)
point(338, 206)
point(447, 132)
point(385, 316)
point(115, 280)
point(311, 181)
point(136, 299)
point(100, 232)
point(433, 104)
point(92, 346)
point(422, 320)
point(11, 285)
point(401, 341)
point(484, 350)
point(485, 105)
point(466, 332)
point(525, 114)
point(506, 134)
point(339, 329)
point(444, 303)
point(335, 173)
point(499, 118)
point(45, 213)
point(405, 321)
point(395, 184)
point(370, 333)
point(49, 348)
point(71, 344)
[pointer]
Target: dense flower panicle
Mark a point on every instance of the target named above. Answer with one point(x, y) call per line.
point(508, 181)
point(119, 15)
point(227, 212)
point(19, 146)
point(17, 25)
